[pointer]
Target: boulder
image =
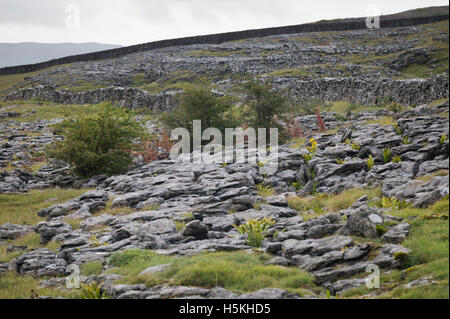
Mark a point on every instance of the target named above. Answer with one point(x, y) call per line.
point(196, 229)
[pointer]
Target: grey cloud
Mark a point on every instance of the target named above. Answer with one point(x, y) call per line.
point(42, 12)
point(137, 21)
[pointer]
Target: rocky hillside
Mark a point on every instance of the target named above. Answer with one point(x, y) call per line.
point(375, 193)
point(364, 66)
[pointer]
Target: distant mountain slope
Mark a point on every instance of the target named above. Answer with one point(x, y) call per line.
point(28, 52)
point(414, 13)
point(407, 18)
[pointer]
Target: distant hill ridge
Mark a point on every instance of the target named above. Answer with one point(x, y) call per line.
point(12, 54)
point(407, 18)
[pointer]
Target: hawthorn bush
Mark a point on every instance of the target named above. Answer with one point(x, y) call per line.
point(99, 143)
point(199, 103)
point(266, 108)
point(262, 108)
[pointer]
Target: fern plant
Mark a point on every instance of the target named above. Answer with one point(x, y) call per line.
point(370, 162)
point(387, 155)
point(394, 203)
point(443, 139)
point(397, 159)
point(264, 191)
point(297, 185)
point(397, 129)
point(406, 140)
point(356, 146)
point(92, 291)
point(256, 230)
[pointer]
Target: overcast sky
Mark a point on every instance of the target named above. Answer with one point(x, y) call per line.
point(136, 21)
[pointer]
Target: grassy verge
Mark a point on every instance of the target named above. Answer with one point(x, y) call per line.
point(429, 242)
point(13, 286)
point(383, 120)
point(31, 169)
point(31, 241)
point(29, 111)
point(429, 177)
point(122, 210)
point(12, 82)
point(327, 203)
point(343, 107)
point(22, 209)
point(8, 82)
point(239, 272)
point(91, 268)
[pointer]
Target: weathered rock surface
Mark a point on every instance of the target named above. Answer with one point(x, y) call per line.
point(10, 231)
point(299, 63)
point(184, 209)
point(40, 263)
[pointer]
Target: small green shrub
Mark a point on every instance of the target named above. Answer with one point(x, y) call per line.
point(341, 118)
point(308, 157)
point(397, 129)
point(264, 191)
point(265, 106)
point(370, 162)
point(397, 159)
point(308, 107)
point(385, 100)
point(381, 230)
point(443, 139)
point(199, 103)
point(356, 146)
point(401, 257)
point(99, 143)
point(394, 203)
point(387, 155)
point(406, 140)
point(180, 225)
point(256, 230)
point(394, 107)
point(257, 205)
point(340, 161)
point(92, 291)
point(94, 241)
point(297, 185)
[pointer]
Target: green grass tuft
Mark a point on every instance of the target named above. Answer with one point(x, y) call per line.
point(240, 272)
point(22, 209)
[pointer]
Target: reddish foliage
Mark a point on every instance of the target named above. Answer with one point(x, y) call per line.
point(244, 128)
point(294, 128)
point(320, 122)
point(239, 141)
point(35, 159)
point(156, 149)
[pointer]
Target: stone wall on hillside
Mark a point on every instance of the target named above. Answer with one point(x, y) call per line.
point(220, 38)
point(126, 97)
point(409, 92)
